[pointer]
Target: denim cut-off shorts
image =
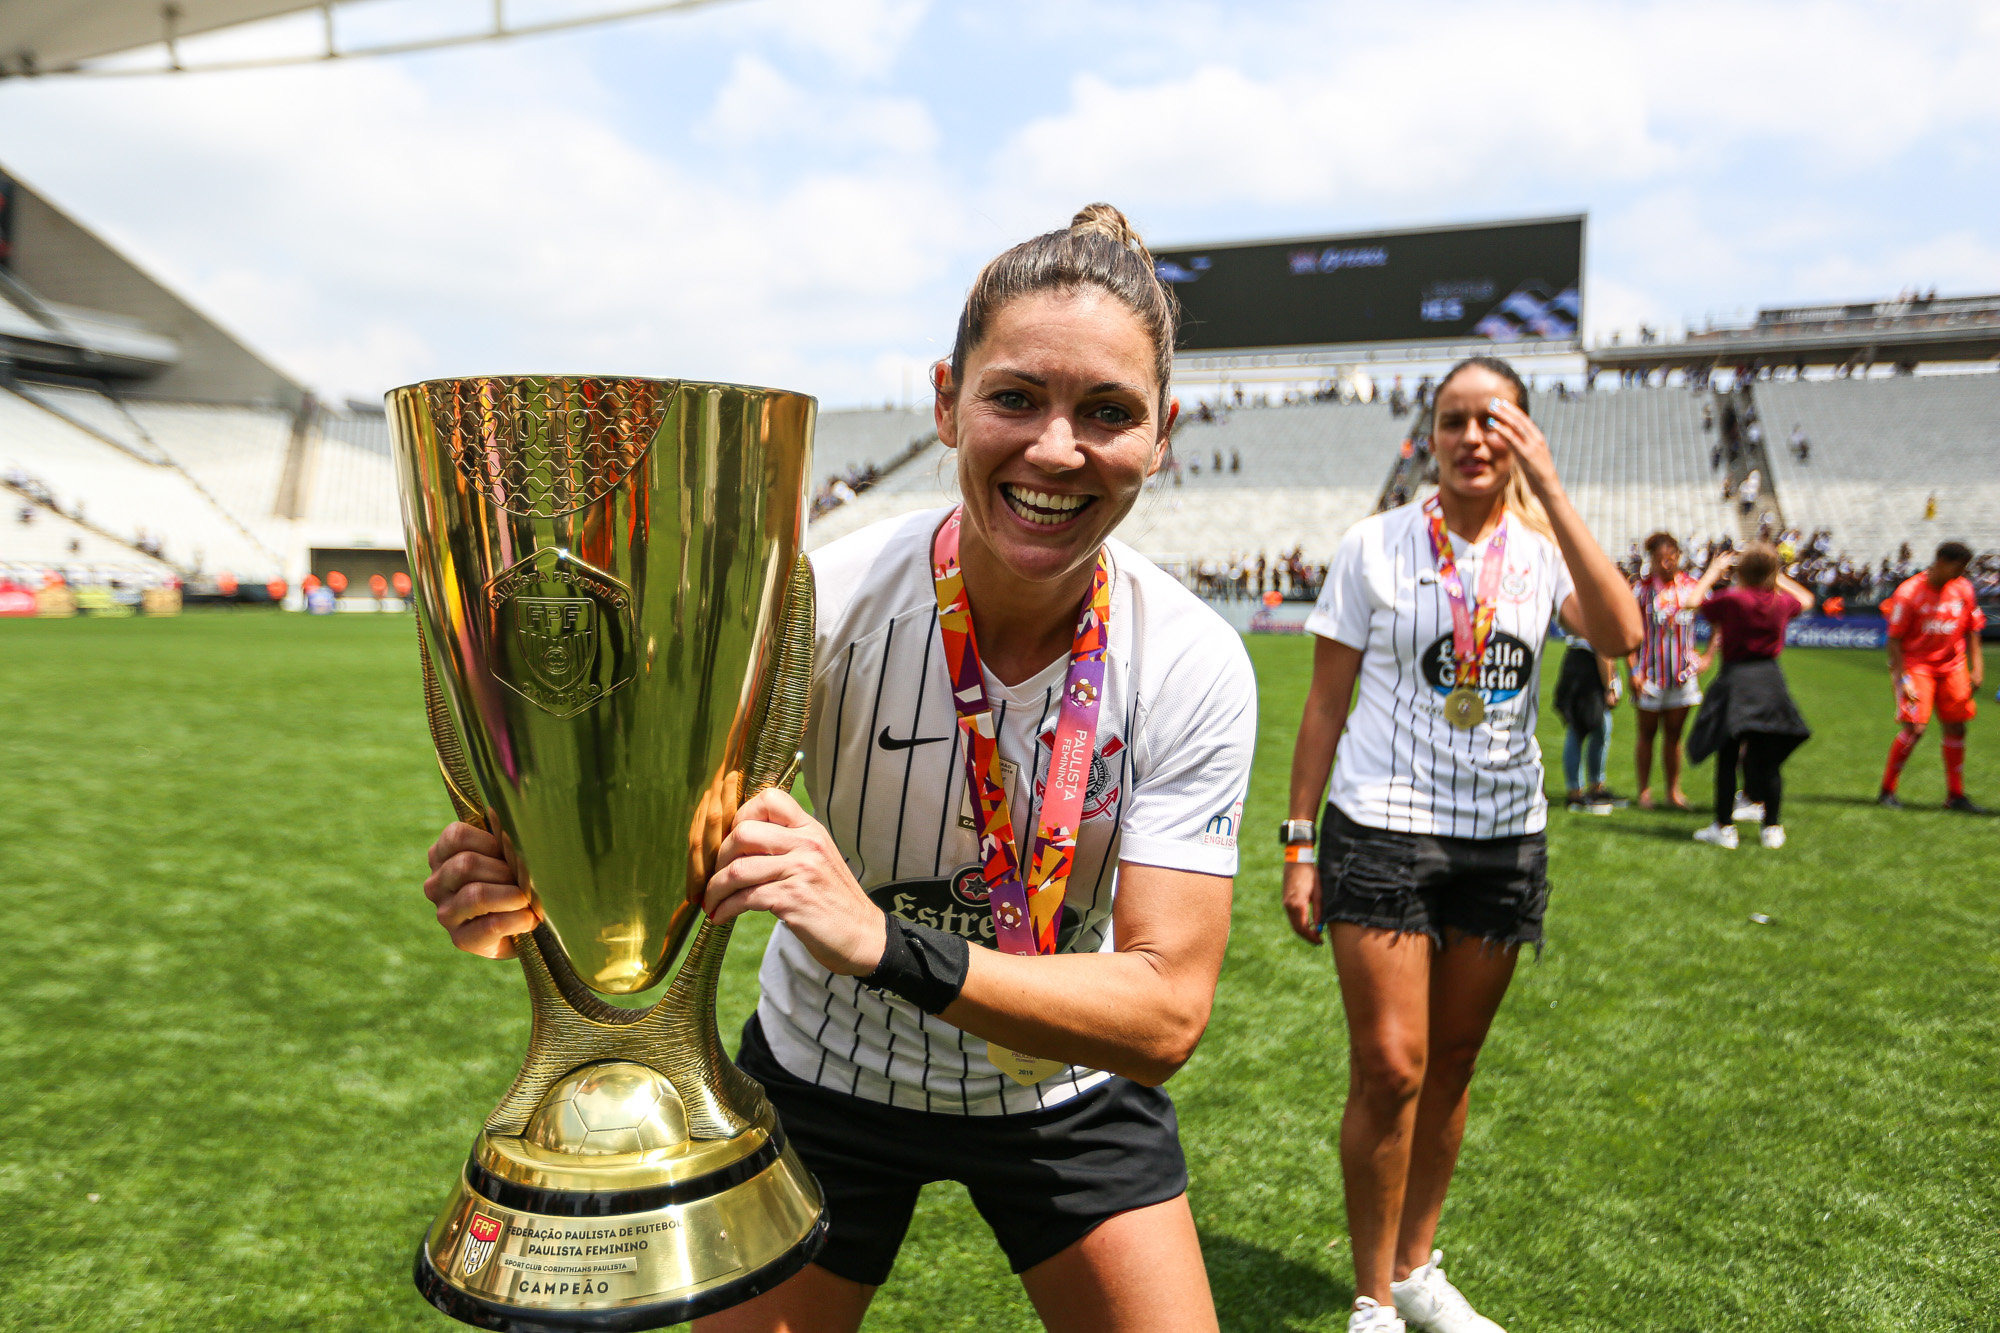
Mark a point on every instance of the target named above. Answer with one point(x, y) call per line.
point(1493, 889)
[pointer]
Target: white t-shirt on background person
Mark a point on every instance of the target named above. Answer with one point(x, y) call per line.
point(1400, 765)
point(886, 773)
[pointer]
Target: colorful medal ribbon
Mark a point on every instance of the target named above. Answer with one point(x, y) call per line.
point(1470, 628)
point(1024, 912)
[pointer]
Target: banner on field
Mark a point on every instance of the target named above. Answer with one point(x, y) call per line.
point(1817, 631)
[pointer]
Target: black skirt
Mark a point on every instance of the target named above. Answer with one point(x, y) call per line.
point(1748, 698)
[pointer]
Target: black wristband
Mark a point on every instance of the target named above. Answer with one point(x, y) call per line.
point(924, 966)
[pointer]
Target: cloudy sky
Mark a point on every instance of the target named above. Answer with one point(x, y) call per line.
point(797, 192)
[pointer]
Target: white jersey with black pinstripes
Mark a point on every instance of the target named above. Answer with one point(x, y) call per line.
point(886, 773)
point(1400, 765)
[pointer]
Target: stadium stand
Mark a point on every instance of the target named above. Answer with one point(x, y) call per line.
point(38, 539)
point(122, 496)
point(352, 498)
point(849, 442)
point(99, 413)
point(921, 482)
point(1305, 472)
point(1635, 461)
point(1880, 449)
point(235, 453)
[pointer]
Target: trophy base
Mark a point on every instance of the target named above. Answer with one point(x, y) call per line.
point(480, 1313)
point(526, 1258)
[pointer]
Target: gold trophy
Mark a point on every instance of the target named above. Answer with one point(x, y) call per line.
point(616, 629)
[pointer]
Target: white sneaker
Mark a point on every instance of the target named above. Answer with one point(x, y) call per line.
point(1747, 811)
point(1721, 835)
point(1368, 1317)
point(1430, 1304)
point(1773, 836)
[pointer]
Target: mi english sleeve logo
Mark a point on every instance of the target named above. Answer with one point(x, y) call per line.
point(1220, 831)
point(958, 904)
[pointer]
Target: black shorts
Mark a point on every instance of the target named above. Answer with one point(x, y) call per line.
point(1420, 883)
point(1043, 1180)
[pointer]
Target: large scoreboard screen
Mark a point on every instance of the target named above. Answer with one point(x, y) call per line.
point(1502, 282)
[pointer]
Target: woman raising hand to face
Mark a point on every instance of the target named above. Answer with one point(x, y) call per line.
point(1430, 870)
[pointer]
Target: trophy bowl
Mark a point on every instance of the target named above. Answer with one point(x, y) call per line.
point(616, 626)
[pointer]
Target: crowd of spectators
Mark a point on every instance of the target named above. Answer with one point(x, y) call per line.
point(1839, 582)
point(1244, 578)
point(838, 490)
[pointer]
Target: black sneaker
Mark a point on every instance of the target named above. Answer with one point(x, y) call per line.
point(1964, 806)
point(1604, 796)
point(1887, 800)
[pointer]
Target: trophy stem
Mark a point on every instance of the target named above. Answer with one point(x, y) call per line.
point(677, 1036)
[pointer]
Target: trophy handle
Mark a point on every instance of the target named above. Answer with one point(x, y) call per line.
point(452, 765)
point(781, 721)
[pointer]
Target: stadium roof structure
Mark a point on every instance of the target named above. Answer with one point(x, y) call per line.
point(40, 37)
point(1905, 332)
point(73, 307)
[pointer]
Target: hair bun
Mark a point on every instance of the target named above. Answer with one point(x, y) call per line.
point(1107, 221)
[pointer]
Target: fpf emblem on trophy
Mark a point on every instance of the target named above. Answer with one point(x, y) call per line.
point(557, 621)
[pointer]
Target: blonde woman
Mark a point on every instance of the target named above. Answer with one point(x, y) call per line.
point(1431, 867)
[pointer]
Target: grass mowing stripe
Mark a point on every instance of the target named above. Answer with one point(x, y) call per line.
point(231, 1018)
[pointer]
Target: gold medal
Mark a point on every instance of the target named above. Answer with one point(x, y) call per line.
point(1025, 1070)
point(1464, 709)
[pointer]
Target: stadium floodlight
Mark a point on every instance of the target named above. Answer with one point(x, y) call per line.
point(55, 37)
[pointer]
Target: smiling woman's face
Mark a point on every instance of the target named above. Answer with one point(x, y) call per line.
point(1057, 427)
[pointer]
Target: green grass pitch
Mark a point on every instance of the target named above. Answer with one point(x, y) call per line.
point(240, 1064)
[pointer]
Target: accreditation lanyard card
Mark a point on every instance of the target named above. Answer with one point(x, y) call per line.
point(1024, 908)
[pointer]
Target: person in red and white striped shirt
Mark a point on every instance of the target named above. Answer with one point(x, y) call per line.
point(1666, 671)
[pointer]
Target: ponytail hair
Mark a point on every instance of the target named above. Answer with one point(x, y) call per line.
point(1520, 500)
point(1099, 249)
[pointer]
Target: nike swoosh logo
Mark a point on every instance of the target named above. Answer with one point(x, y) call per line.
point(888, 742)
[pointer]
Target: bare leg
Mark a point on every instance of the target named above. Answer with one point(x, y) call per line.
point(1670, 755)
point(1468, 981)
point(814, 1301)
point(1385, 985)
point(1139, 1272)
point(1642, 759)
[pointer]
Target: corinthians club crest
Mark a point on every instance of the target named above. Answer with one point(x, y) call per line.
point(482, 1233)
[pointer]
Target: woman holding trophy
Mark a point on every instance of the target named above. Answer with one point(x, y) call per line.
point(1431, 869)
point(1023, 736)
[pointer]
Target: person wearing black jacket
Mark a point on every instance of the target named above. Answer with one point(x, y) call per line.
point(1586, 692)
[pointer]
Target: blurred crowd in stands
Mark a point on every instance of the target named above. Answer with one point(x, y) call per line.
point(1246, 578)
point(1839, 582)
point(839, 490)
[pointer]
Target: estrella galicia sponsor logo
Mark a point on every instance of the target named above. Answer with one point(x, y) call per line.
point(958, 905)
point(1220, 831)
point(482, 1233)
point(1503, 674)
